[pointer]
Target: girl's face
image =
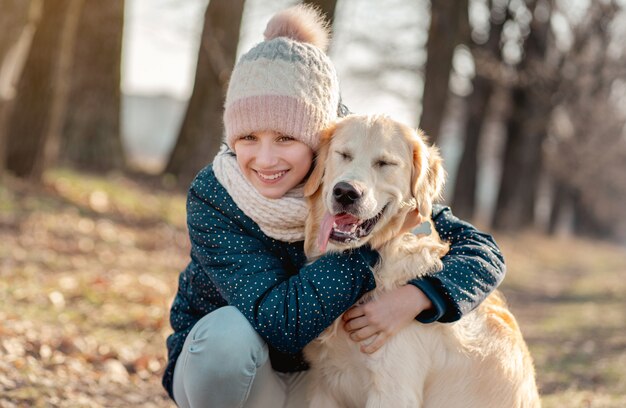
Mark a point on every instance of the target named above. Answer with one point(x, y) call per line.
point(272, 162)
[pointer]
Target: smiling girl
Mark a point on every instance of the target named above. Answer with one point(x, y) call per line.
point(272, 162)
point(248, 302)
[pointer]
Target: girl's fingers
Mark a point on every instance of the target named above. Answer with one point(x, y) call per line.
point(372, 346)
point(355, 324)
point(352, 313)
point(362, 334)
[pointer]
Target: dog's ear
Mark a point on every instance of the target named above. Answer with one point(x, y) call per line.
point(315, 178)
point(428, 175)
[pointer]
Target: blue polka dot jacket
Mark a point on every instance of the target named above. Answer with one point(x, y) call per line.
point(290, 302)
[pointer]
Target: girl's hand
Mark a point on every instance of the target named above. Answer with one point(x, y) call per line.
point(374, 322)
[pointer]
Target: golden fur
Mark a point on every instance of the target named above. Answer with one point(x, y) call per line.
point(479, 361)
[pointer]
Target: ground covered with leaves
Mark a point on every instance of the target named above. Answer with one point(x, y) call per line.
point(569, 296)
point(88, 268)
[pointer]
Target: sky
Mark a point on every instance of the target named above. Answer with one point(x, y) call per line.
point(161, 39)
point(160, 45)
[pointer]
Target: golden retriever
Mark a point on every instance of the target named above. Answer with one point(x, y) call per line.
point(370, 172)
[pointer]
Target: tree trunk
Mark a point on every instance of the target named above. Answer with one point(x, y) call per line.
point(527, 130)
point(13, 19)
point(521, 164)
point(326, 6)
point(30, 116)
point(448, 27)
point(202, 131)
point(90, 138)
point(559, 201)
point(464, 197)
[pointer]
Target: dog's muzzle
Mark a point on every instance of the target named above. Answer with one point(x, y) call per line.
point(345, 228)
point(346, 194)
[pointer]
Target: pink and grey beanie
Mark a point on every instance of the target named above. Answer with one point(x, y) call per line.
point(286, 83)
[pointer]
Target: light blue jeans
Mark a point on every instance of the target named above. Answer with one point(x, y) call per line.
point(225, 364)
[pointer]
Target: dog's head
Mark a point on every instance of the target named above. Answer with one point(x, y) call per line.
point(369, 173)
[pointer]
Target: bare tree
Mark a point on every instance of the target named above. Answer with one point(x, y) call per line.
point(489, 72)
point(449, 27)
point(90, 137)
point(13, 19)
point(201, 132)
point(27, 126)
point(586, 153)
point(526, 128)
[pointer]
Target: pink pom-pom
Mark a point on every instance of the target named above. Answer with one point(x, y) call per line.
point(301, 23)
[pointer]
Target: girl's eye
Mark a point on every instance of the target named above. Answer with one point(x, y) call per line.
point(345, 156)
point(248, 137)
point(285, 138)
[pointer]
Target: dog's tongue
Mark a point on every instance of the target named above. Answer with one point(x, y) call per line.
point(324, 235)
point(345, 220)
point(327, 224)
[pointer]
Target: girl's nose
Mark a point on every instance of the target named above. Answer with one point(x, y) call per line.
point(267, 156)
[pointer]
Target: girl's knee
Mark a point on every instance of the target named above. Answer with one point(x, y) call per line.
point(225, 341)
point(220, 359)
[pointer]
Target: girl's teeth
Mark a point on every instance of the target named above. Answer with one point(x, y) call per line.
point(273, 176)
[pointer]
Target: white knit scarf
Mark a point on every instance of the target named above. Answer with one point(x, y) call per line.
point(282, 218)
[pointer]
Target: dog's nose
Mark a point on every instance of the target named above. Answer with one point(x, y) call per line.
point(345, 194)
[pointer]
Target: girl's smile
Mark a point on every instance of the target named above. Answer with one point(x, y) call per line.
point(268, 177)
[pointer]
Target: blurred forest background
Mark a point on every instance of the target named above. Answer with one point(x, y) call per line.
point(526, 98)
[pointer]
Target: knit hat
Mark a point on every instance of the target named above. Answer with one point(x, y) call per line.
point(286, 83)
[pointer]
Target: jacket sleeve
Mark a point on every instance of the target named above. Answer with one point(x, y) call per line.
point(472, 269)
point(287, 311)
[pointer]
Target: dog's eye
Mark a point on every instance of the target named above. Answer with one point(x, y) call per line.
point(383, 163)
point(345, 156)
